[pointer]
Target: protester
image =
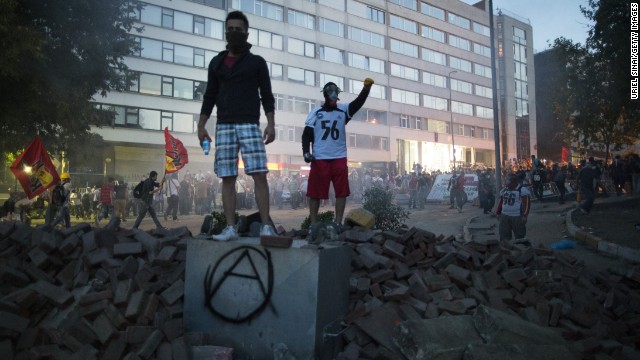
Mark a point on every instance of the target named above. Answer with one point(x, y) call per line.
point(60, 200)
point(232, 78)
point(513, 209)
point(586, 180)
point(325, 129)
point(173, 199)
point(149, 189)
point(106, 202)
point(120, 201)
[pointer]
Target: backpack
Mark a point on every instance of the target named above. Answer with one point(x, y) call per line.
point(137, 191)
point(57, 196)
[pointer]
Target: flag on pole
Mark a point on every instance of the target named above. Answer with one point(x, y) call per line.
point(176, 156)
point(565, 154)
point(34, 169)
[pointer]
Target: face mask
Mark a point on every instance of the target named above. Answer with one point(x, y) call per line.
point(236, 40)
point(331, 92)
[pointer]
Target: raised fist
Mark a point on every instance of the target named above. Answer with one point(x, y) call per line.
point(308, 157)
point(368, 82)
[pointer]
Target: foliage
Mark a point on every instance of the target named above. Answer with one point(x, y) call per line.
point(595, 100)
point(325, 216)
point(389, 216)
point(57, 55)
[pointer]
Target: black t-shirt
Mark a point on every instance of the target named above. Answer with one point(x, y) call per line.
point(121, 191)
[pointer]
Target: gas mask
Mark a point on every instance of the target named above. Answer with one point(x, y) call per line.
point(331, 92)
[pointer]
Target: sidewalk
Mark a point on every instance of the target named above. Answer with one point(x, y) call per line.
point(550, 215)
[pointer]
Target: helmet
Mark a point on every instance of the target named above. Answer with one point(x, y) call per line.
point(65, 176)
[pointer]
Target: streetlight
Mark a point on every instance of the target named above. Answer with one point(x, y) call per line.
point(453, 144)
point(106, 161)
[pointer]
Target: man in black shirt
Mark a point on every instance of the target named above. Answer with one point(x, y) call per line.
point(586, 179)
point(149, 189)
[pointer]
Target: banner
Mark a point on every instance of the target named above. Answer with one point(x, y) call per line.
point(440, 193)
point(176, 156)
point(34, 169)
point(565, 154)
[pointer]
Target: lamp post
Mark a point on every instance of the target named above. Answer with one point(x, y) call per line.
point(453, 144)
point(106, 161)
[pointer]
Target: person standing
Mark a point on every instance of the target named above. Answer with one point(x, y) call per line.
point(587, 180)
point(60, 198)
point(559, 178)
point(513, 209)
point(149, 189)
point(238, 81)
point(120, 201)
point(106, 202)
point(325, 128)
point(173, 189)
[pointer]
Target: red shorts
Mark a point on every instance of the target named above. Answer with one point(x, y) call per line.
point(324, 172)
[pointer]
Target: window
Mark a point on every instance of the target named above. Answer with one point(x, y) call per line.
point(482, 50)
point(150, 84)
point(183, 55)
point(352, 140)
point(279, 102)
point(183, 22)
point(519, 36)
point(331, 27)
point(434, 56)
point(432, 11)
point(404, 72)
point(485, 133)
point(384, 143)
point(325, 78)
point(365, 37)
point(484, 112)
point(291, 132)
point(437, 126)
point(462, 108)
point(366, 63)
point(167, 18)
point(275, 71)
point(520, 52)
point(198, 25)
point(433, 34)
point(375, 14)
point(520, 70)
point(151, 14)
point(405, 97)
point(301, 19)
point(459, 42)
point(482, 70)
point(461, 86)
point(376, 91)
point(459, 21)
point(151, 49)
point(183, 88)
point(481, 29)
point(404, 48)
point(403, 24)
point(404, 121)
point(434, 79)
point(370, 116)
point(419, 123)
point(460, 64)
point(302, 76)
point(260, 8)
point(300, 105)
point(299, 47)
point(409, 4)
point(433, 102)
point(331, 54)
point(265, 39)
point(483, 91)
point(213, 29)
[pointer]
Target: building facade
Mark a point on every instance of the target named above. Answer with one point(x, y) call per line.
point(430, 59)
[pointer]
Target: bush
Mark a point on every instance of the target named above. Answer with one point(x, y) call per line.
point(326, 216)
point(389, 216)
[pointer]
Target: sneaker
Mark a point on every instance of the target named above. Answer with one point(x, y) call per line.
point(267, 230)
point(228, 234)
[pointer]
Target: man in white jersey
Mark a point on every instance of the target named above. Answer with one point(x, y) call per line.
point(325, 128)
point(513, 209)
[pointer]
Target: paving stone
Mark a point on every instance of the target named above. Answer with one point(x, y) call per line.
point(115, 349)
point(173, 293)
point(56, 294)
point(103, 328)
point(126, 249)
point(135, 304)
point(394, 249)
point(165, 256)
point(150, 344)
point(13, 276)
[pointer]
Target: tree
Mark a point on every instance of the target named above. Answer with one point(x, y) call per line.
point(57, 55)
point(596, 101)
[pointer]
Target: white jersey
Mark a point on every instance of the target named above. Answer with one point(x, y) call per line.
point(512, 200)
point(329, 140)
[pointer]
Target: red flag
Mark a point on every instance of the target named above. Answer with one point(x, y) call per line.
point(34, 169)
point(565, 154)
point(176, 156)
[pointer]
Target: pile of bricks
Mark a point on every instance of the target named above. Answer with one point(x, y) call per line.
point(425, 276)
point(86, 293)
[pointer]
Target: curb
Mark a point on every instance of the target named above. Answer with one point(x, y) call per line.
point(466, 235)
point(598, 244)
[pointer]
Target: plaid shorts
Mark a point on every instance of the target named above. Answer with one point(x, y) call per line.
point(246, 138)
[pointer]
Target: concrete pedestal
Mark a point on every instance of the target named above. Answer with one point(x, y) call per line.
point(252, 298)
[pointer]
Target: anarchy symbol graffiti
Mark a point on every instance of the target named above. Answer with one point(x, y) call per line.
point(239, 285)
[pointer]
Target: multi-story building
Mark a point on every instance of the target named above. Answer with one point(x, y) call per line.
point(430, 59)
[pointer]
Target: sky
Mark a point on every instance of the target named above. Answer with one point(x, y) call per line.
point(550, 19)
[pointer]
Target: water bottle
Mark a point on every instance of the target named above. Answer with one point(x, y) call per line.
point(206, 146)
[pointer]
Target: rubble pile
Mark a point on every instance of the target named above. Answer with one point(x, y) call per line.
point(87, 293)
point(410, 288)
